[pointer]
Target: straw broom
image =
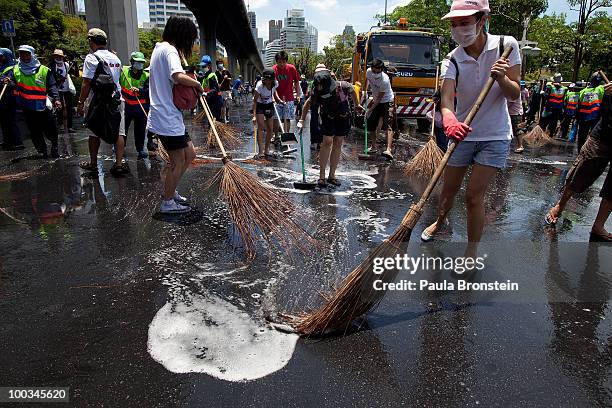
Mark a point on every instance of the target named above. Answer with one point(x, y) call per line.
point(538, 137)
point(227, 133)
point(425, 162)
point(356, 295)
point(257, 210)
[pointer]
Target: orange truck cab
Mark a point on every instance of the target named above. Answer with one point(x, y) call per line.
point(414, 52)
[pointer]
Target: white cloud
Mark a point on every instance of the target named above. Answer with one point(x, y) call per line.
point(321, 4)
point(324, 38)
point(392, 6)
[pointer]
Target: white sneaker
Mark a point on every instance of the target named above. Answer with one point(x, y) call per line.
point(179, 199)
point(173, 207)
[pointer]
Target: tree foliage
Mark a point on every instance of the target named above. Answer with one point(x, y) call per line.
point(305, 61)
point(35, 24)
point(147, 40)
point(337, 56)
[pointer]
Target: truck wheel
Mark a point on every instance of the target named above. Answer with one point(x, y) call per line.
point(423, 125)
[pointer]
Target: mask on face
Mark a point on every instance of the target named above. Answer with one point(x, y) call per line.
point(58, 60)
point(138, 66)
point(464, 35)
point(376, 75)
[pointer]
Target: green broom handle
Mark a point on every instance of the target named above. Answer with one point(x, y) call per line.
point(302, 156)
point(468, 120)
point(365, 124)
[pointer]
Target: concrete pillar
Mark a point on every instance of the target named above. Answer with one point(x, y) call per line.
point(232, 66)
point(208, 36)
point(243, 68)
point(118, 19)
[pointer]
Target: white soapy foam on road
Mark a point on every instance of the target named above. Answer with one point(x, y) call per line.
point(207, 334)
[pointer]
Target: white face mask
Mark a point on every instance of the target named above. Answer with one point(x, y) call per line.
point(59, 61)
point(464, 35)
point(138, 66)
point(376, 75)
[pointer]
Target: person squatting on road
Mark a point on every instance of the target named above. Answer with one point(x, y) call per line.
point(485, 144)
point(381, 107)
point(101, 72)
point(34, 86)
point(211, 88)
point(332, 98)
point(264, 97)
point(589, 103)
point(165, 119)
point(61, 72)
point(554, 95)
point(593, 159)
point(11, 139)
point(288, 83)
point(135, 91)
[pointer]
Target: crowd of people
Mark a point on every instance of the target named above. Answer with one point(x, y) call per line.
point(113, 97)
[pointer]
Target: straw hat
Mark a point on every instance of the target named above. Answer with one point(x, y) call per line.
point(58, 53)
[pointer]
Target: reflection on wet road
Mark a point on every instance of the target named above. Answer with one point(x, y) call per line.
point(98, 294)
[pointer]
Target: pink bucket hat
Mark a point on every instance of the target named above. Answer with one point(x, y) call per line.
point(320, 67)
point(464, 8)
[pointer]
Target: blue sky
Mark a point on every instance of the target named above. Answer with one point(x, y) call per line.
point(330, 16)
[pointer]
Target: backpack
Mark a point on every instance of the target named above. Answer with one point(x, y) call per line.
point(102, 82)
point(337, 105)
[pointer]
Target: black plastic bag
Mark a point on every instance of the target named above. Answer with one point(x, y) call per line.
point(104, 117)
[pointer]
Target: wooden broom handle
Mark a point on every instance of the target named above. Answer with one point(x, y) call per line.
point(3, 90)
point(604, 76)
point(451, 148)
point(211, 120)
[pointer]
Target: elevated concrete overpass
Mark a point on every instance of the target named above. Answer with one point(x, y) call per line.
point(227, 21)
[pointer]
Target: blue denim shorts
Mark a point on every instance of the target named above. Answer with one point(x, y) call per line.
point(492, 153)
point(286, 111)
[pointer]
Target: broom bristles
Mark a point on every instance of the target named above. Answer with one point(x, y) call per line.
point(16, 176)
point(356, 296)
point(259, 211)
point(425, 162)
point(227, 134)
point(537, 137)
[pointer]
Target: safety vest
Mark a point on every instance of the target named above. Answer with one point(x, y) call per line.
point(589, 103)
point(31, 90)
point(206, 81)
point(555, 98)
point(571, 103)
point(128, 82)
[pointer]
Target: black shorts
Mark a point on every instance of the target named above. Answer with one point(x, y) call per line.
point(266, 109)
point(591, 163)
point(174, 142)
point(336, 126)
point(382, 110)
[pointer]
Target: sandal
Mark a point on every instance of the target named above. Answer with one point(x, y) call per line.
point(119, 170)
point(595, 237)
point(322, 183)
point(334, 181)
point(519, 150)
point(87, 166)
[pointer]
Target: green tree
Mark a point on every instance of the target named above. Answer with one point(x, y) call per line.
point(338, 55)
point(35, 24)
point(305, 61)
point(74, 40)
point(555, 38)
point(587, 11)
point(512, 17)
point(147, 40)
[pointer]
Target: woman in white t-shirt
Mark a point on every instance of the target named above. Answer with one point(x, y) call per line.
point(165, 119)
point(264, 97)
point(487, 139)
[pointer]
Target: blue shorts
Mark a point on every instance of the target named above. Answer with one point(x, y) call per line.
point(492, 153)
point(286, 111)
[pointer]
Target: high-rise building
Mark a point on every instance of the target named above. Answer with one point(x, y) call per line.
point(161, 10)
point(297, 33)
point(68, 7)
point(274, 29)
point(252, 20)
point(349, 35)
point(270, 52)
point(348, 30)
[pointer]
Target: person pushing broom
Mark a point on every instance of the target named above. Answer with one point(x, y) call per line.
point(485, 144)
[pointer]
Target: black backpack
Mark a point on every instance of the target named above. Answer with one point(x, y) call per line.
point(102, 82)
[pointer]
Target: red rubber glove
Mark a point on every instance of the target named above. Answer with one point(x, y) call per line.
point(453, 128)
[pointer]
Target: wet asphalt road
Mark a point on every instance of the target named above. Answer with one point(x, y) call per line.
point(86, 265)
